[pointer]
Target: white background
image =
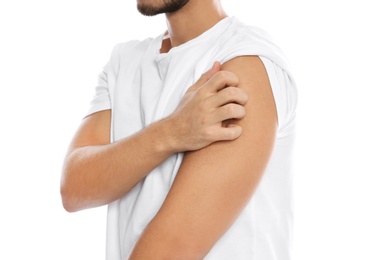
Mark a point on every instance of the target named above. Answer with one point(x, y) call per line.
point(52, 51)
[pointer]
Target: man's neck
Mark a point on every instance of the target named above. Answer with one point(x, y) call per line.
point(192, 20)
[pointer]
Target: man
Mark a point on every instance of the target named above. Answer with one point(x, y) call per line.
point(191, 165)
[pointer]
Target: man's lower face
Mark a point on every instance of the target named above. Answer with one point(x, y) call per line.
point(154, 7)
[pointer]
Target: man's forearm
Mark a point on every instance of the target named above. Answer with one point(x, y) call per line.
point(97, 172)
point(97, 175)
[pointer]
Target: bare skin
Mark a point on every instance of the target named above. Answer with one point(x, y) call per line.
point(96, 172)
point(236, 132)
point(215, 183)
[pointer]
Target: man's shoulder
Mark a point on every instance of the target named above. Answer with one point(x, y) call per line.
point(243, 40)
point(131, 46)
point(129, 52)
point(240, 31)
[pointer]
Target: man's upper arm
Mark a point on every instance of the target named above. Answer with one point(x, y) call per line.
point(214, 184)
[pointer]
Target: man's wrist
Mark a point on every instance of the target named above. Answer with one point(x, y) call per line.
point(168, 140)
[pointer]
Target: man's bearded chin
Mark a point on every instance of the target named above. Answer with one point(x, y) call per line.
point(167, 6)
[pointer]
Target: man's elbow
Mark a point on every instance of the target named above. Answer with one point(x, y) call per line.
point(69, 201)
point(69, 206)
point(68, 190)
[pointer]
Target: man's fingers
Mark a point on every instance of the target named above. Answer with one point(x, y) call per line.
point(206, 76)
point(230, 132)
point(228, 95)
point(229, 111)
point(221, 80)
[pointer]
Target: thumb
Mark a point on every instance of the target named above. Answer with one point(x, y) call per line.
point(206, 76)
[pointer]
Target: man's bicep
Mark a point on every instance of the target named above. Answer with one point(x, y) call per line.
point(214, 184)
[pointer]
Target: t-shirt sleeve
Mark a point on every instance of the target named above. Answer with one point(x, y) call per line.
point(285, 96)
point(244, 42)
point(101, 99)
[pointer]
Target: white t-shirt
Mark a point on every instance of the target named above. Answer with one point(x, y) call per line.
point(140, 86)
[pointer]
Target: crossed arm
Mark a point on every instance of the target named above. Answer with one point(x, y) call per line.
point(97, 172)
point(213, 184)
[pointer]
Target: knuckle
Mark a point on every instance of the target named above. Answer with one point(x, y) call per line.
point(231, 133)
point(227, 77)
point(230, 109)
point(234, 108)
point(200, 91)
point(238, 95)
point(203, 107)
point(218, 77)
point(231, 92)
point(235, 132)
point(208, 134)
point(223, 75)
point(220, 73)
point(204, 121)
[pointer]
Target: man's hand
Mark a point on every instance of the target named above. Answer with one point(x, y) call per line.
point(214, 184)
point(199, 118)
point(97, 172)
